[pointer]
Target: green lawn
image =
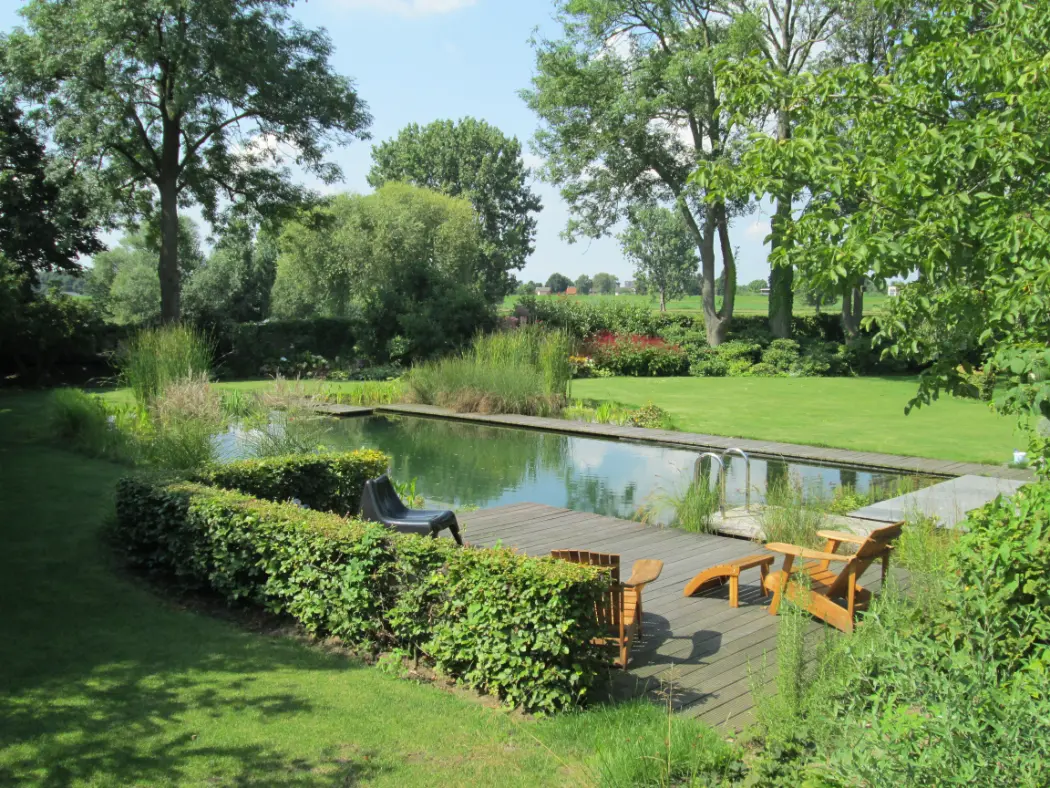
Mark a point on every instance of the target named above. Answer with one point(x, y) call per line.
point(103, 683)
point(745, 304)
point(864, 414)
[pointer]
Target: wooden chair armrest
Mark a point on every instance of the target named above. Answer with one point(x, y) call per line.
point(805, 552)
point(842, 536)
point(645, 570)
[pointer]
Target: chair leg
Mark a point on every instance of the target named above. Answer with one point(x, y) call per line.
point(734, 591)
point(764, 569)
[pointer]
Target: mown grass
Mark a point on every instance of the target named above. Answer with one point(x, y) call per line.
point(862, 414)
point(107, 682)
point(744, 304)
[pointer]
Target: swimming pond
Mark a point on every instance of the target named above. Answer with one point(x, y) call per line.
point(459, 464)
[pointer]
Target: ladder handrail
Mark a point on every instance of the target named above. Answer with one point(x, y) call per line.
point(747, 467)
point(721, 478)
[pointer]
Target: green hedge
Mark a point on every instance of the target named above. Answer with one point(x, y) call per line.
point(328, 482)
point(520, 628)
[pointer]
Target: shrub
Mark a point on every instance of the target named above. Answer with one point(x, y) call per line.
point(328, 482)
point(936, 688)
point(245, 349)
point(587, 318)
point(780, 356)
point(521, 628)
point(708, 363)
point(525, 370)
point(636, 356)
point(155, 357)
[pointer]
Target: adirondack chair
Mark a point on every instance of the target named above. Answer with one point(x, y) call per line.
point(834, 594)
point(620, 613)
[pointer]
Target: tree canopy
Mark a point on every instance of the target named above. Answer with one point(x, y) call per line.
point(935, 166)
point(405, 261)
point(45, 217)
point(558, 283)
point(174, 103)
point(629, 104)
point(663, 252)
point(605, 284)
point(471, 159)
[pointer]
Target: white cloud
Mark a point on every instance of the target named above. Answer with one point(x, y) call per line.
point(409, 8)
point(757, 229)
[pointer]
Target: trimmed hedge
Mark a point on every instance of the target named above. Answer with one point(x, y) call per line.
point(328, 482)
point(520, 628)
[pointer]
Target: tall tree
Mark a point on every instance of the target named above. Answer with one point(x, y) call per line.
point(947, 159)
point(630, 105)
point(605, 284)
point(403, 262)
point(584, 284)
point(663, 251)
point(791, 32)
point(184, 101)
point(235, 281)
point(123, 281)
point(558, 283)
point(45, 219)
point(470, 159)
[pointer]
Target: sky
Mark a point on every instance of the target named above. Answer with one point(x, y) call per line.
point(416, 61)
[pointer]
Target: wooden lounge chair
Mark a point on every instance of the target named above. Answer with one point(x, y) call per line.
point(729, 572)
point(834, 594)
point(619, 614)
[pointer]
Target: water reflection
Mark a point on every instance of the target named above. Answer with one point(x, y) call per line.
point(457, 464)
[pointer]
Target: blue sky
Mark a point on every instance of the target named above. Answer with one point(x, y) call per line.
point(423, 60)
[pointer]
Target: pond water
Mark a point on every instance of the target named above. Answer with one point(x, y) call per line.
point(459, 464)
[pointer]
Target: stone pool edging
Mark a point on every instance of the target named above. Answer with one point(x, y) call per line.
point(699, 441)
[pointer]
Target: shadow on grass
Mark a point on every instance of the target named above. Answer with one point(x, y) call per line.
point(103, 683)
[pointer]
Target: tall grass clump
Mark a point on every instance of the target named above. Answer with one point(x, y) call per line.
point(793, 514)
point(156, 357)
point(524, 371)
point(184, 418)
point(689, 509)
point(82, 422)
point(638, 743)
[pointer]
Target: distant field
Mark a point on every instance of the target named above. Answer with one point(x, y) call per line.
point(746, 303)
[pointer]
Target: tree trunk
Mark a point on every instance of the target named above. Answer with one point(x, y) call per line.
point(852, 310)
point(714, 326)
point(663, 300)
point(169, 224)
point(781, 280)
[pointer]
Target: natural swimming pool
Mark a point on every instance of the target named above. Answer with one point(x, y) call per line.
point(460, 464)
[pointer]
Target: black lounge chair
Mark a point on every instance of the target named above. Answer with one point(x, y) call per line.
point(380, 504)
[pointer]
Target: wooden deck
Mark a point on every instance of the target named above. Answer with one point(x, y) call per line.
point(713, 653)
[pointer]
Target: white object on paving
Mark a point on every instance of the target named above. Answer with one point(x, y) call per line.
point(947, 501)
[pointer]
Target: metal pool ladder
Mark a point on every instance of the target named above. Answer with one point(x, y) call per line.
point(721, 477)
point(747, 467)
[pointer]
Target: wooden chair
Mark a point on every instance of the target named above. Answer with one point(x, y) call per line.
point(834, 594)
point(620, 613)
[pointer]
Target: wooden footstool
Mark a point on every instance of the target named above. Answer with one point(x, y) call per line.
point(730, 570)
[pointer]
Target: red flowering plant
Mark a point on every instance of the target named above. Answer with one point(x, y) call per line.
point(636, 355)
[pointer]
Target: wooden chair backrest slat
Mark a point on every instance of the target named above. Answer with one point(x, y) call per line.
point(610, 561)
point(874, 547)
point(610, 608)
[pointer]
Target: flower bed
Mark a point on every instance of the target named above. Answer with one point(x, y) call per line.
point(636, 355)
